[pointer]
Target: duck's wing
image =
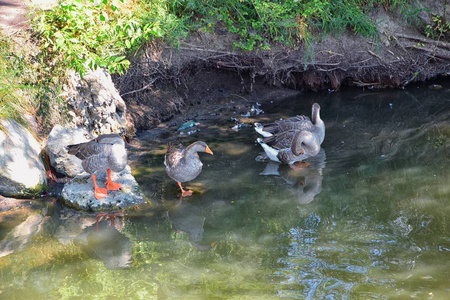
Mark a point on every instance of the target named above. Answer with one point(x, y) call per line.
point(111, 138)
point(174, 153)
point(281, 140)
point(295, 123)
point(96, 162)
point(87, 149)
point(292, 123)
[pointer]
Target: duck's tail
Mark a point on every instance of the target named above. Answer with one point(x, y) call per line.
point(270, 152)
point(259, 128)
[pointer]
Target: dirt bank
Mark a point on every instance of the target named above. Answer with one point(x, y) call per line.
point(205, 69)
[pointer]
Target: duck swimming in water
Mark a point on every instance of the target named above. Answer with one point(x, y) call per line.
point(106, 153)
point(290, 146)
point(293, 139)
point(315, 125)
point(183, 164)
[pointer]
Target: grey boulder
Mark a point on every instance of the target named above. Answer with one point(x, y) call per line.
point(22, 172)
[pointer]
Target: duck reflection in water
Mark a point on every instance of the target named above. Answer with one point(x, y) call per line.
point(190, 219)
point(304, 179)
point(103, 241)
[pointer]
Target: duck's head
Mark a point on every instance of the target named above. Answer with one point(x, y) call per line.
point(304, 141)
point(200, 146)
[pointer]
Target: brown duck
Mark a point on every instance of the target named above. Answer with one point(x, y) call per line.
point(183, 164)
point(105, 153)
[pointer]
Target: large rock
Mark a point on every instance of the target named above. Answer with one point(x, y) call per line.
point(57, 141)
point(79, 193)
point(95, 103)
point(22, 172)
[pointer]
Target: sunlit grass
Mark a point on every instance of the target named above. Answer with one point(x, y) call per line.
point(15, 100)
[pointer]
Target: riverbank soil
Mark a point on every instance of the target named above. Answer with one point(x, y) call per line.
point(163, 81)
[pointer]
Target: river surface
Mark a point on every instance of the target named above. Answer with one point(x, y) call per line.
point(366, 219)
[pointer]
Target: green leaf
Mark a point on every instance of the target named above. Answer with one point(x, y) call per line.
point(119, 58)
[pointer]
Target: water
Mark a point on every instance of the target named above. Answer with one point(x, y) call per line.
point(367, 220)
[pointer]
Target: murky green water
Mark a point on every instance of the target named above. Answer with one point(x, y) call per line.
point(369, 219)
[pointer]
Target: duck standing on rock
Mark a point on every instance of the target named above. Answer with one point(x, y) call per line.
point(105, 153)
point(293, 139)
point(183, 164)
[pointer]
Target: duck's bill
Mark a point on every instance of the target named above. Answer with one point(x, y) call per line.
point(208, 151)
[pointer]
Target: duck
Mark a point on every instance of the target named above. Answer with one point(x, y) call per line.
point(183, 164)
point(291, 146)
point(105, 153)
point(315, 125)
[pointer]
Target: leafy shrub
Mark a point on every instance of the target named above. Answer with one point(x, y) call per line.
point(262, 22)
point(82, 34)
point(439, 29)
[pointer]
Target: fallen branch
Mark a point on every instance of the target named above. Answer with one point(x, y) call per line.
point(374, 54)
point(432, 52)
point(359, 83)
point(427, 41)
point(137, 91)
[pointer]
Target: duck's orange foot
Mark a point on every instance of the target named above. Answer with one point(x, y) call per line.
point(113, 186)
point(301, 164)
point(100, 193)
point(186, 193)
point(183, 192)
point(298, 165)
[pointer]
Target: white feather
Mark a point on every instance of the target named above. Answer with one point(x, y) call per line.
point(260, 129)
point(270, 152)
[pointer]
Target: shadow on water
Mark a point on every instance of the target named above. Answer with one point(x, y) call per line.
point(366, 218)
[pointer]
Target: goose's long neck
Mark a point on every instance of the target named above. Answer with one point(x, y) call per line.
point(191, 150)
point(315, 116)
point(303, 140)
point(318, 123)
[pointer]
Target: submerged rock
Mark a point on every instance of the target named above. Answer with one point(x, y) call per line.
point(99, 235)
point(102, 241)
point(21, 221)
point(22, 172)
point(79, 193)
point(17, 239)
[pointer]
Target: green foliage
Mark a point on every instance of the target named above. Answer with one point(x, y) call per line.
point(439, 29)
point(90, 34)
point(260, 23)
point(27, 87)
point(13, 83)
